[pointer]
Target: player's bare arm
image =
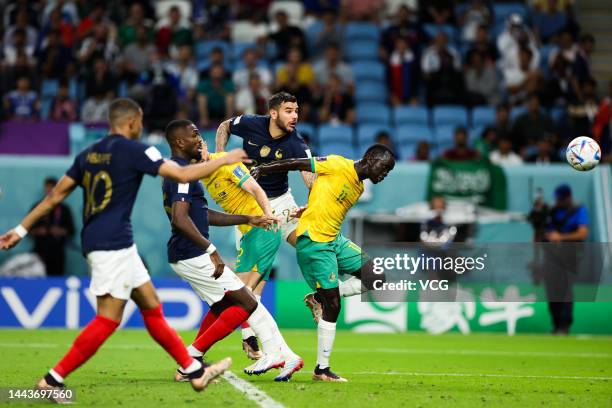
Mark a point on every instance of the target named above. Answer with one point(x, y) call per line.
point(221, 219)
point(183, 223)
point(309, 178)
point(281, 166)
point(194, 172)
point(64, 187)
point(222, 136)
point(252, 187)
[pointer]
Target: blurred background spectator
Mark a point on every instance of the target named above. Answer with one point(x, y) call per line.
point(504, 155)
point(22, 103)
point(336, 105)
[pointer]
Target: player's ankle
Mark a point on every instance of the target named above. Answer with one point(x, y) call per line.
point(52, 381)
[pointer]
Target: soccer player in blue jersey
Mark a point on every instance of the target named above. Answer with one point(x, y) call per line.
point(110, 172)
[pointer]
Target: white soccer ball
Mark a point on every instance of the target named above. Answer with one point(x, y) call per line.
point(583, 153)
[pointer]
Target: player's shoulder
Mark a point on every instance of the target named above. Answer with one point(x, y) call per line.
point(250, 120)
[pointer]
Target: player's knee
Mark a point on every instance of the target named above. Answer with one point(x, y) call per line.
point(250, 304)
point(331, 307)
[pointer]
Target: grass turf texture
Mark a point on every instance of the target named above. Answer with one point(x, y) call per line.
point(383, 370)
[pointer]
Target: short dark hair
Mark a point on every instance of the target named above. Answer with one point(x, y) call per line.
point(378, 148)
point(279, 98)
point(173, 126)
point(120, 108)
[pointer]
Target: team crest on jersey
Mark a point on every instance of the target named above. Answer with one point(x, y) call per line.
point(264, 151)
point(238, 172)
point(278, 155)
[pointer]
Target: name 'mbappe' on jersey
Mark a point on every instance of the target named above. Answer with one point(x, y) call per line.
point(110, 172)
point(262, 148)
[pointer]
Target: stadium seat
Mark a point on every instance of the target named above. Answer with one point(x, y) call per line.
point(516, 112)
point(366, 134)
point(413, 133)
point(407, 151)
point(557, 114)
point(335, 134)
point(361, 50)
point(373, 113)
point(545, 52)
point(371, 91)
point(445, 136)
point(361, 31)
point(433, 29)
point(204, 48)
point(368, 70)
point(341, 149)
point(483, 116)
point(404, 115)
point(501, 11)
point(239, 48)
point(450, 115)
point(309, 130)
point(548, 24)
point(49, 88)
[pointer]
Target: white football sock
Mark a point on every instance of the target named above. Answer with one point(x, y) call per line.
point(56, 376)
point(194, 352)
point(247, 332)
point(326, 332)
point(194, 366)
point(351, 287)
point(263, 325)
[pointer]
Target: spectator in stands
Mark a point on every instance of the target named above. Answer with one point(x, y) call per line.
point(16, 46)
point(330, 33)
point(504, 155)
point(304, 73)
point(481, 81)
point(516, 36)
point(302, 92)
point(461, 151)
point(215, 97)
point(532, 126)
point(336, 105)
point(333, 64)
point(136, 56)
point(101, 81)
point(57, 23)
point(503, 125)
point(437, 11)
point(241, 77)
point(441, 66)
point(55, 60)
point(583, 111)
point(95, 18)
point(22, 68)
point(63, 107)
point(562, 87)
point(483, 45)
point(101, 44)
point(422, 151)
point(252, 28)
point(22, 103)
point(51, 234)
point(476, 15)
point(522, 80)
point(406, 27)
point(287, 37)
point(173, 31)
point(550, 17)
point(384, 138)
point(403, 74)
point(216, 17)
point(129, 31)
point(22, 23)
point(253, 99)
point(582, 63)
point(543, 154)
point(95, 109)
point(68, 9)
point(160, 101)
point(361, 10)
point(15, 7)
point(486, 142)
point(185, 76)
point(602, 126)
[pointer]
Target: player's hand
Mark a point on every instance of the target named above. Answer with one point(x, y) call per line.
point(236, 156)
point(9, 240)
point(219, 265)
point(264, 221)
point(297, 212)
point(553, 236)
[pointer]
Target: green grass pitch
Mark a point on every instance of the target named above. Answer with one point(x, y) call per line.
point(384, 370)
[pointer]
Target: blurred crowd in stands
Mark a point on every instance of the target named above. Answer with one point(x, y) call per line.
point(511, 81)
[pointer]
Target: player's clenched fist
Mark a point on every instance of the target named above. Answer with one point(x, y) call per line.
point(9, 240)
point(236, 156)
point(264, 221)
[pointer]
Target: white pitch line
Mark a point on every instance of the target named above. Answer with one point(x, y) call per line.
point(549, 377)
point(251, 392)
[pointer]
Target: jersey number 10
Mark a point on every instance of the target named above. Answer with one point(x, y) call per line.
point(90, 185)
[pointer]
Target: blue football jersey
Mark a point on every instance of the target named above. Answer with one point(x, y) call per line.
point(110, 172)
point(179, 247)
point(262, 148)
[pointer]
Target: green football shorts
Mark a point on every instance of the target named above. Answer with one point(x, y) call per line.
point(257, 252)
point(321, 262)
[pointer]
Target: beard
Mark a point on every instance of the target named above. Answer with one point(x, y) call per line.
point(281, 125)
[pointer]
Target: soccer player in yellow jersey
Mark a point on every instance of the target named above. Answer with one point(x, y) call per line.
point(322, 251)
point(233, 188)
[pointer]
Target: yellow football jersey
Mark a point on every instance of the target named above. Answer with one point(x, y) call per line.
point(336, 189)
point(224, 186)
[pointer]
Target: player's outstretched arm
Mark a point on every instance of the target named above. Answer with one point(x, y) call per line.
point(252, 187)
point(281, 166)
point(222, 136)
point(62, 190)
point(194, 172)
point(221, 219)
